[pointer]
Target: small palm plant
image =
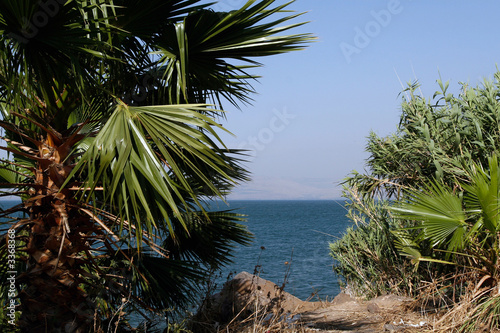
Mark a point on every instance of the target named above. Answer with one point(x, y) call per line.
point(460, 227)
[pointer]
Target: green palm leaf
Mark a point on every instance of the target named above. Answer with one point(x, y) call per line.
point(121, 160)
point(161, 283)
point(196, 68)
point(484, 194)
point(443, 220)
point(465, 224)
point(49, 49)
point(209, 239)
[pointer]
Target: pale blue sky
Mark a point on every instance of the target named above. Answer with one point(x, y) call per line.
point(315, 108)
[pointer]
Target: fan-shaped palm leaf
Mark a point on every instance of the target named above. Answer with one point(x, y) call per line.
point(196, 68)
point(133, 175)
point(464, 227)
point(484, 194)
point(206, 240)
point(443, 220)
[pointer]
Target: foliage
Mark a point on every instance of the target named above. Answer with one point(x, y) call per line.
point(366, 256)
point(434, 139)
point(113, 148)
point(438, 139)
point(466, 227)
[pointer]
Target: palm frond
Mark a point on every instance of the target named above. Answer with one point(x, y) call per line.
point(197, 68)
point(161, 283)
point(49, 53)
point(442, 216)
point(122, 160)
point(209, 238)
point(484, 194)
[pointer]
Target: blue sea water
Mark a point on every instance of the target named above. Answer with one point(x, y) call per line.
point(297, 232)
point(293, 232)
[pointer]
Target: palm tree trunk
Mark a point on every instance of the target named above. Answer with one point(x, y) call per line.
point(52, 299)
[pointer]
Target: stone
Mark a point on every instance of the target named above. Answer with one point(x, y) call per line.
point(246, 293)
point(343, 298)
point(392, 328)
point(373, 308)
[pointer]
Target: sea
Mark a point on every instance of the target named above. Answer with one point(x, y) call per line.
point(290, 246)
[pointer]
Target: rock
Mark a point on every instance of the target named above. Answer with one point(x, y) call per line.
point(248, 300)
point(343, 298)
point(373, 308)
point(347, 302)
point(392, 328)
point(390, 302)
point(245, 294)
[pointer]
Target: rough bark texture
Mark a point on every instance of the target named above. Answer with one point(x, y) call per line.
point(52, 299)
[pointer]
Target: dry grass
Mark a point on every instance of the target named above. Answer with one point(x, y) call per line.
point(454, 304)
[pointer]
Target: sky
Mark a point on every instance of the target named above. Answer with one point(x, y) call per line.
point(308, 124)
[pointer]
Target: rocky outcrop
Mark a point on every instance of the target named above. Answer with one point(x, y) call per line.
point(248, 298)
point(246, 294)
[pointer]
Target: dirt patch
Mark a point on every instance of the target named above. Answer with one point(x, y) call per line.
point(382, 314)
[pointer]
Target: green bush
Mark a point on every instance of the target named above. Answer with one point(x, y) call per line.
point(366, 256)
point(435, 140)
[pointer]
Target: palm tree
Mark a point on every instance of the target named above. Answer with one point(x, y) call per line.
point(113, 148)
point(460, 228)
point(458, 224)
